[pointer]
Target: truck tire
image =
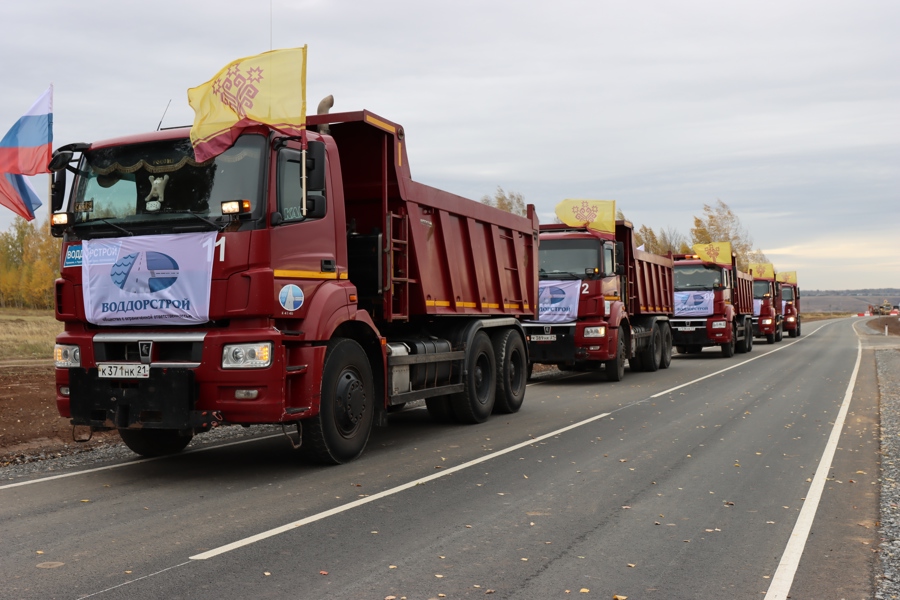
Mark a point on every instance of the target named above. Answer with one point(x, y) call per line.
point(749, 335)
point(798, 328)
point(665, 358)
point(742, 346)
point(770, 338)
point(530, 370)
point(512, 372)
point(339, 433)
point(156, 442)
point(681, 349)
point(694, 349)
point(475, 403)
point(615, 368)
point(652, 355)
point(728, 348)
point(779, 333)
point(440, 410)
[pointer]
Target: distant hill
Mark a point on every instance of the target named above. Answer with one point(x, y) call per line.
point(849, 301)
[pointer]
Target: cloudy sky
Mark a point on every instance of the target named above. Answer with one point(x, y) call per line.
point(787, 111)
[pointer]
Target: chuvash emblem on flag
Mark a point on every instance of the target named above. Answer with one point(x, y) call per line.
point(268, 89)
point(25, 150)
point(599, 215)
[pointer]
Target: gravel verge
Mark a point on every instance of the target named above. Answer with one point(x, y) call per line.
point(888, 579)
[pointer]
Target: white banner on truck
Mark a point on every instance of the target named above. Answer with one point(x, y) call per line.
point(694, 304)
point(757, 306)
point(558, 301)
point(148, 280)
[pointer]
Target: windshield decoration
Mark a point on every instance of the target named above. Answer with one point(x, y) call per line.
point(157, 190)
point(148, 280)
point(694, 304)
point(558, 301)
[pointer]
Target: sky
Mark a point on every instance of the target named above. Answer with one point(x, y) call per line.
point(786, 111)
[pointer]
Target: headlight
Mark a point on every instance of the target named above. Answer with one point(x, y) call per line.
point(247, 356)
point(719, 324)
point(594, 332)
point(66, 356)
point(791, 319)
point(766, 321)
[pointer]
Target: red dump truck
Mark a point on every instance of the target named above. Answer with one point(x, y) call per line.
point(713, 301)
point(790, 302)
point(602, 302)
point(305, 281)
point(768, 318)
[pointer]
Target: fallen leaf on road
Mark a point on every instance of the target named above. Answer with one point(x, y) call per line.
point(323, 572)
point(632, 565)
point(266, 573)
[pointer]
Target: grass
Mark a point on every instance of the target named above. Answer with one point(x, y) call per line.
point(27, 334)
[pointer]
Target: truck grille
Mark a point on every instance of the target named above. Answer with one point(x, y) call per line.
point(172, 350)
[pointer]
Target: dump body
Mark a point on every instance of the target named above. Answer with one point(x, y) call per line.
point(603, 302)
point(714, 306)
point(373, 291)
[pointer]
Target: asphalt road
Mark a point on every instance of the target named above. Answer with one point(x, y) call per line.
point(693, 482)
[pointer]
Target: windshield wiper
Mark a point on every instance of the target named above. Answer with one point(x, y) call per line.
point(119, 227)
point(215, 225)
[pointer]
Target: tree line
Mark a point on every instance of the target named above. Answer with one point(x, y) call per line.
point(718, 223)
point(29, 265)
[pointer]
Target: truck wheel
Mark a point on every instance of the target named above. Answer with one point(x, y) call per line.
point(512, 372)
point(770, 338)
point(440, 410)
point(798, 327)
point(653, 354)
point(779, 333)
point(740, 346)
point(339, 432)
point(694, 349)
point(665, 358)
point(728, 349)
point(681, 349)
point(156, 442)
point(530, 370)
point(475, 403)
point(615, 368)
point(749, 334)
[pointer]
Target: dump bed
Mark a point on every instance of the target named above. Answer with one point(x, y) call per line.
point(650, 287)
point(743, 293)
point(442, 254)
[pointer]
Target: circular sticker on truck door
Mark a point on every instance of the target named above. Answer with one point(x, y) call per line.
point(291, 297)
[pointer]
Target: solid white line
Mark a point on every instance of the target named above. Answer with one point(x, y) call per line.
point(130, 463)
point(395, 490)
point(787, 567)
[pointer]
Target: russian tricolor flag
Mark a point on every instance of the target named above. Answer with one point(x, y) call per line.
point(26, 150)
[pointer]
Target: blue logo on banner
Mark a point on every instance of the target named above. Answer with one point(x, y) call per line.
point(557, 294)
point(291, 297)
point(73, 256)
point(144, 272)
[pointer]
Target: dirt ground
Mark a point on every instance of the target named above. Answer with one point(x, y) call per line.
point(31, 427)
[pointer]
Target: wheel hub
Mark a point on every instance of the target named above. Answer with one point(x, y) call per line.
point(351, 398)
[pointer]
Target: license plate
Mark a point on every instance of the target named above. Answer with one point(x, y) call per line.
point(543, 338)
point(123, 371)
point(686, 328)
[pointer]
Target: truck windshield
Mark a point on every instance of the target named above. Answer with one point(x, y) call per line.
point(568, 259)
point(697, 277)
point(761, 289)
point(787, 293)
point(158, 183)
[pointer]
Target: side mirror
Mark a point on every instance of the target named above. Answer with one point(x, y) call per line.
point(315, 206)
point(58, 189)
point(315, 166)
point(59, 161)
point(620, 269)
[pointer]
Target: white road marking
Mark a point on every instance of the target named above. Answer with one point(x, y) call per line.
point(787, 567)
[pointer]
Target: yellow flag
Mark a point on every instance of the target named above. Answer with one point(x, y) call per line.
point(787, 277)
point(714, 252)
point(599, 215)
point(268, 88)
point(762, 270)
